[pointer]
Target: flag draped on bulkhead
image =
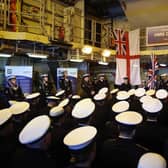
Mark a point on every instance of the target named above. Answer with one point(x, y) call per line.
point(127, 56)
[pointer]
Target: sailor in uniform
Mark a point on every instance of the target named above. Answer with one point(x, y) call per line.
point(123, 151)
point(7, 136)
point(20, 115)
point(164, 81)
point(87, 86)
point(101, 82)
point(83, 112)
point(13, 91)
point(4, 102)
point(150, 133)
point(35, 140)
point(151, 159)
point(162, 95)
point(45, 86)
point(57, 115)
point(81, 144)
point(125, 85)
point(66, 84)
point(135, 103)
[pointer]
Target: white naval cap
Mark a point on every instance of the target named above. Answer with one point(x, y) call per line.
point(34, 129)
point(11, 102)
point(33, 95)
point(103, 90)
point(122, 95)
point(85, 100)
point(152, 160)
point(146, 98)
point(80, 137)
point(84, 108)
point(140, 92)
point(60, 93)
point(52, 98)
point(56, 111)
point(164, 74)
point(129, 118)
point(5, 115)
point(150, 92)
point(161, 94)
point(26, 94)
point(11, 77)
point(152, 106)
point(44, 75)
point(120, 106)
point(99, 96)
point(76, 97)
point(86, 75)
point(64, 102)
point(121, 92)
point(131, 92)
point(101, 74)
point(114, 91)
point(19, 107)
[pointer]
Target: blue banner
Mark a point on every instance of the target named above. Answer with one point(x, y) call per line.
point(156, 36)
point(72, 75)
point(23, 75)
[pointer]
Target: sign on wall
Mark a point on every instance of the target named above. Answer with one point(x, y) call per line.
point(72, 75)
point(157, 36)
point(23, 75)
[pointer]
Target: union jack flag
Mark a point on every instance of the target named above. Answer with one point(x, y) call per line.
point(152, 72)
point(121, 42)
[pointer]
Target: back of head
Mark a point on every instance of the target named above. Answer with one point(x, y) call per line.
point(125, 79)
point(6, 126)
point(152, 107)
point(152, 160)
point(127, 122)
point(35, 131)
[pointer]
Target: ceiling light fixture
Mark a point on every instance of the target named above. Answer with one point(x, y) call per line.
point(103, 63)
point(33, 55)
point(162, 65)
point(106, 53)
point(76, 60)
point(5, 55)
point(87, 49)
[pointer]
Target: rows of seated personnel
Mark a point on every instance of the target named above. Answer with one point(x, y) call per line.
point(111, 129)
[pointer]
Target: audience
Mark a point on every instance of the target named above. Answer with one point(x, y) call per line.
point(131, 127)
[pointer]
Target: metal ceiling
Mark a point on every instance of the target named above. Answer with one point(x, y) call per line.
point(144, 13)
point(69, 2)
point(56, 50)
point(139, 13)
point(100, 8)
point(104, 8)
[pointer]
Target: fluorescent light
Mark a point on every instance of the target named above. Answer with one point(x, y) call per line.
point(163, 65)
point(87, 49)
point(76, 60)
point(37, 55)
point(5, 55)
point(106, 53)
point(103, 63)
